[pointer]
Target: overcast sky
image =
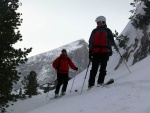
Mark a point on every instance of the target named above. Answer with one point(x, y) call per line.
point(48, 24)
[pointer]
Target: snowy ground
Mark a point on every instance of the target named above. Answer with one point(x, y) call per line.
point(129, 94)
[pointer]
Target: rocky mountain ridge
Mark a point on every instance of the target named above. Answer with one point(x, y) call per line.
point(42, 63)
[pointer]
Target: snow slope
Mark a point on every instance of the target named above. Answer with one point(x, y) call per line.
point(129, 94)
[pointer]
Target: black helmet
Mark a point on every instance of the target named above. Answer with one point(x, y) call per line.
point(63, 50)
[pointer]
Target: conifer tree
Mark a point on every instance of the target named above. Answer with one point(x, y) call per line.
point(10, 57)
point(121, 39)
point(146, 18)
point(31, 84)
point(139, 20)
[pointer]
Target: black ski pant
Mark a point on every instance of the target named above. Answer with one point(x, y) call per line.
point(99, 59)
point(62, 79)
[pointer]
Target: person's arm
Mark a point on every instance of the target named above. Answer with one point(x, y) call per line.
point(71, 64)
point(91, 41)
point(55, 63)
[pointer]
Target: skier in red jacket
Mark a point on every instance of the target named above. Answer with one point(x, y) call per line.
point(62, 64)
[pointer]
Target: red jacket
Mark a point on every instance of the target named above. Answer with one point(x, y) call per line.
point(62, 64)
point(101, 40)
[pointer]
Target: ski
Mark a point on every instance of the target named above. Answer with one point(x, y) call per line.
point(60, 96)
point(89, 88)
point(55, 98)
point(111, 81)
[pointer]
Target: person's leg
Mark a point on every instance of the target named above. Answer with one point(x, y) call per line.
point(65, 83)
point(59, 83)
point(102, 74)
point(93, 72)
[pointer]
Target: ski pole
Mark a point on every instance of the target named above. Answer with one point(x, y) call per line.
point(123, 60)
point(48, 85)
point(85, 77)
point(72, 84)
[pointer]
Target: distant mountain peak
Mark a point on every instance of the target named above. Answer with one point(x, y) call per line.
point(69, 47)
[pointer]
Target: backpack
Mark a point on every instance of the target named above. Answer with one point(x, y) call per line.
point(101, 42)
point(60, 60)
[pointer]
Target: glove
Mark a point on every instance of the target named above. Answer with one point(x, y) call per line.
point(56, 68)
point(90, 56)
point(76, 69)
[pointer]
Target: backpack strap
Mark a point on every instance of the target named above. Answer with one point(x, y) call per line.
point(60, 58)
point(59, 63)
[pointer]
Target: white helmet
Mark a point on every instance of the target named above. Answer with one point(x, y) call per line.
point(100, 19)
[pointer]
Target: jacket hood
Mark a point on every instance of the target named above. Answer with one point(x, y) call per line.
point(63, 56)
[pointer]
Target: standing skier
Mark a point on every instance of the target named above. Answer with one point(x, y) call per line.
point(100, 43)
point(62, 64)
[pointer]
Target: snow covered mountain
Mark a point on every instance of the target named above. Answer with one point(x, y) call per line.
point(42, 63)
point(129, 94)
